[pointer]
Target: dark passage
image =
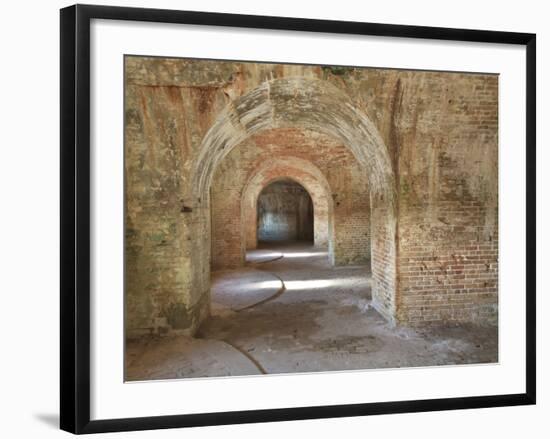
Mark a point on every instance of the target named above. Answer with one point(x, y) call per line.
point(285, 213)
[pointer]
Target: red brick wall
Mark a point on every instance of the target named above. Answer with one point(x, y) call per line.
point(383, 231)
point(448, 209)
point(352, 228)
point(448, 270)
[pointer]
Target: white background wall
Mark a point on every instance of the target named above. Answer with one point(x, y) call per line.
point(29, 249)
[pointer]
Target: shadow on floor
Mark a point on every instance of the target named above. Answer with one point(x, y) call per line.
point(49, 419)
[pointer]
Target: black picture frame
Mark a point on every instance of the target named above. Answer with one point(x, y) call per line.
point(75, 217)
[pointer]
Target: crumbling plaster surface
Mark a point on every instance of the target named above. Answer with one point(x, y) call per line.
point(427, 140)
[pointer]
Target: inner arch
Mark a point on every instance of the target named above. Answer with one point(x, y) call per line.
point(303, 102)
point(302, 172)
point(319, 106)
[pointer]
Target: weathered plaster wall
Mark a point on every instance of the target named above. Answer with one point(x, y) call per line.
point(163, 293)
point(439, 131)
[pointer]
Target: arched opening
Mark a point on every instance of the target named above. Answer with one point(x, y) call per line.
point(319, 106)
point(306, 175)
point(284, 213)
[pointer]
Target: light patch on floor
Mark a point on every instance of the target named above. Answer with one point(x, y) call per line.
point(296, 313)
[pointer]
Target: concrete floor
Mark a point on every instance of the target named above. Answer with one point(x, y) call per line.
point(288, 311)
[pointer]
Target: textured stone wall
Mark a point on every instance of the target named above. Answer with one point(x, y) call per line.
point(426, 141)
point(285, 213)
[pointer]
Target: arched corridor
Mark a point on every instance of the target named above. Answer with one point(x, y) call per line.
point(290, 218)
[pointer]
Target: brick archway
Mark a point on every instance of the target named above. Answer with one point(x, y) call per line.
point(315, 105)
point(300, 171)
point(301, 102)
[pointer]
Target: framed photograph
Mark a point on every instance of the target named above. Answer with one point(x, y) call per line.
point(268, 218)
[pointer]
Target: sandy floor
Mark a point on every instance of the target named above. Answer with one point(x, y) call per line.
point(289, 311)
